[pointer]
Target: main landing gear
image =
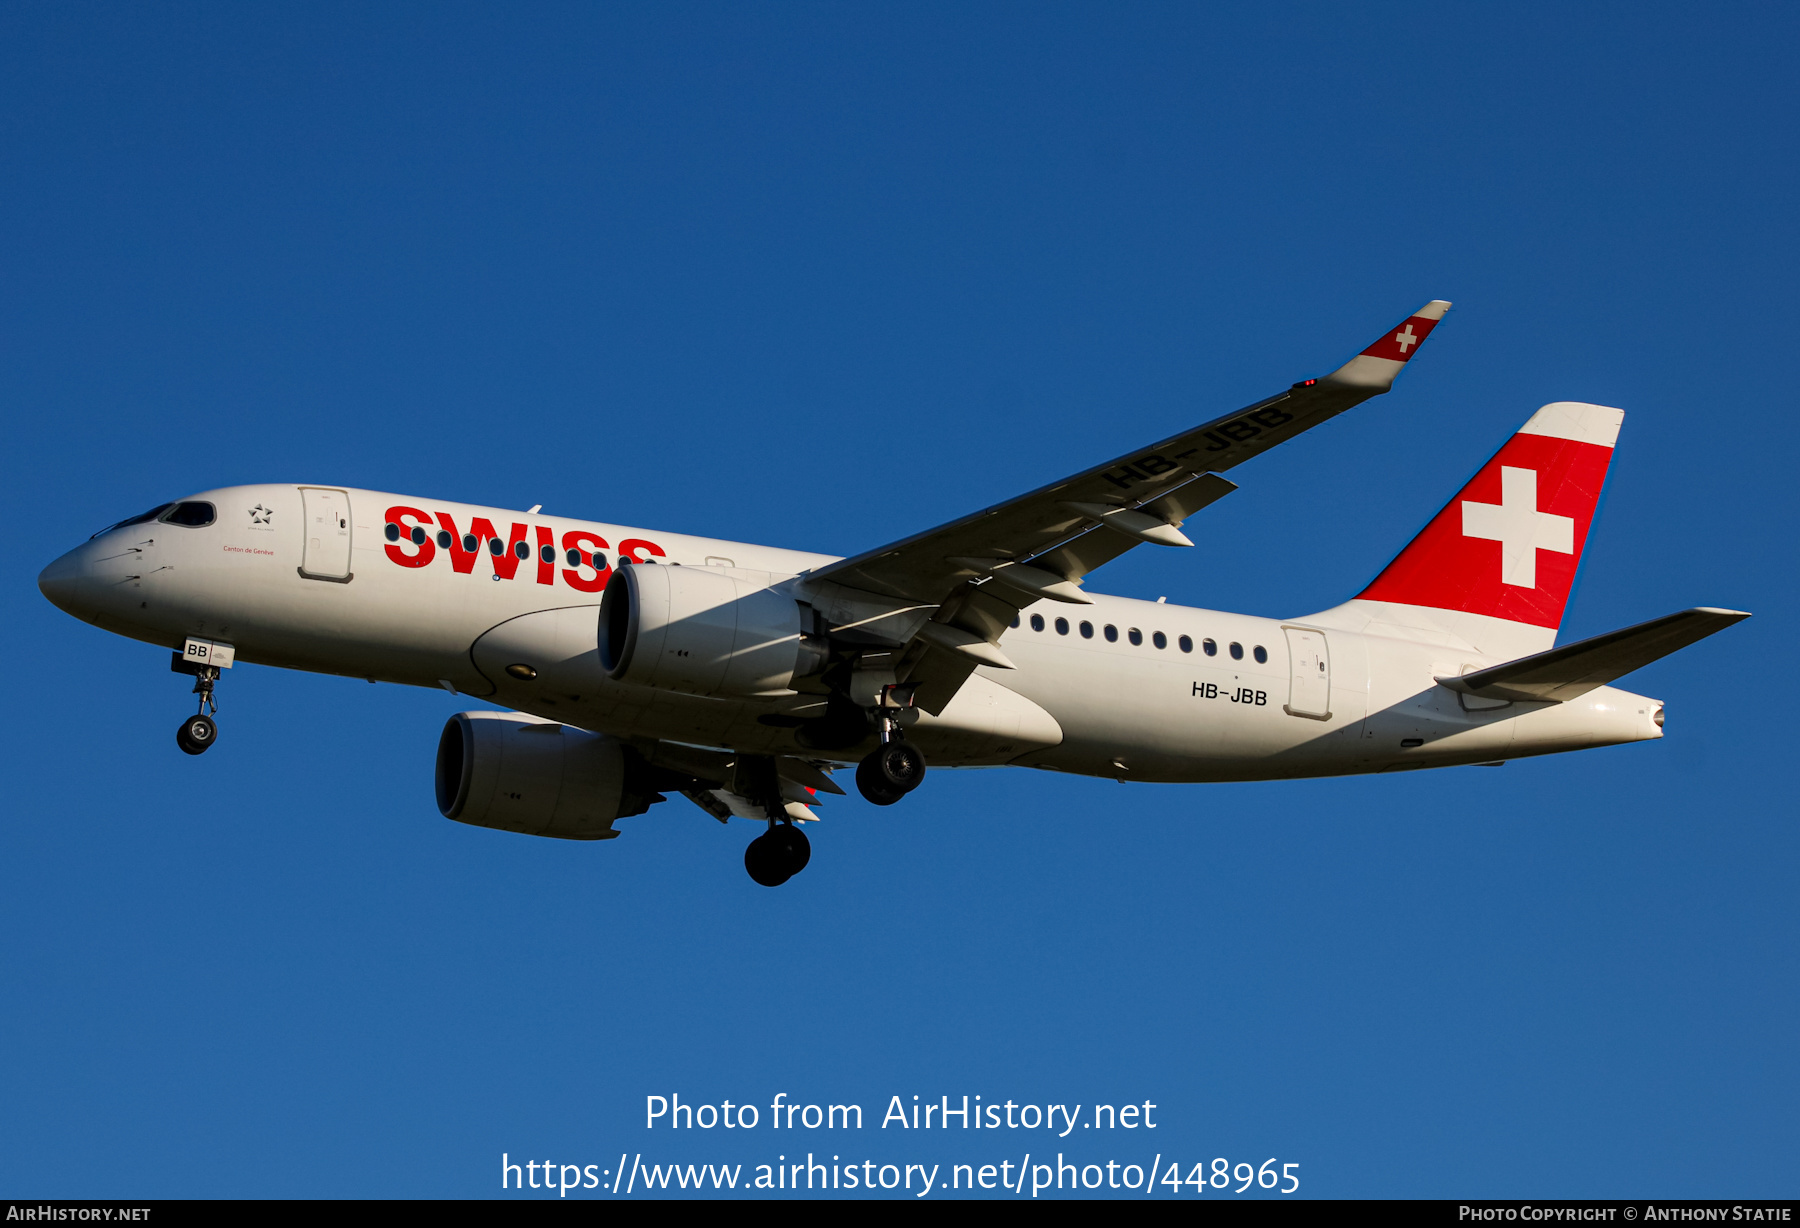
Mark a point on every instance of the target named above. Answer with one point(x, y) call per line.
point(778, 854)
point(896, 767)
point(782, 851)
point(887, 774)
point(199, 731)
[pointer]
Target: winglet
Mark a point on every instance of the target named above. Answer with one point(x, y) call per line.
point(1377, 366)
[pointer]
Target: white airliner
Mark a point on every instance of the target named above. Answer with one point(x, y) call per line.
point(637, 663)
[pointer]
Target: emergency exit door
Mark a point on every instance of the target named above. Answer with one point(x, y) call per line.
point(326, 554)
point(1309, 667)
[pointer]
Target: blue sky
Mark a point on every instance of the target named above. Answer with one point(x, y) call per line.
point(820, 276)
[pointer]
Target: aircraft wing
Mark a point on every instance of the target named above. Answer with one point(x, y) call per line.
point(1161, 479)
point(980, 570)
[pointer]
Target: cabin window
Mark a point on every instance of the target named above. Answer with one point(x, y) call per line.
point(1185, 643)
point(418, 536)
point(548, 554)
point(1134, 635)
point(496, 547)
point(1210, 647)
point(599, 561)
point(522, 550)
point(1037, 622)
point(1015, 621)
point(392, 531)
point(1062, 626)
point(1160, 640)
point(444, 539)
point(1237, 652)
point(471, 543)
point(1087, 631)
point(1112, 634)
point(1261, 654)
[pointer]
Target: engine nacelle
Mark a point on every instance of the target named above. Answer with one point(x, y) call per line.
point(702, 631)
point(518, 773)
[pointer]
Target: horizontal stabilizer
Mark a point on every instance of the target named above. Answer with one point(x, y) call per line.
point(1575, 669)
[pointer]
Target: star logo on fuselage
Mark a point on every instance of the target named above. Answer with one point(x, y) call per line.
point(260, 514)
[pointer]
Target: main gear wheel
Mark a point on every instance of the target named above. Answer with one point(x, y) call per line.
point(778, 854)
point(890, 771)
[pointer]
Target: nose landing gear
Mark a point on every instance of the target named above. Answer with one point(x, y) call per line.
point(199, 731)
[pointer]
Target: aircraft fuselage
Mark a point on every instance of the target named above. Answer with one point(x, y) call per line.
point(1118, 688)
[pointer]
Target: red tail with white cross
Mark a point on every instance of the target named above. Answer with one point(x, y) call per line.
point(1508, 545)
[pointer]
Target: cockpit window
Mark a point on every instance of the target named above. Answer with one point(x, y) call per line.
point(152, 514)
point(193, 515)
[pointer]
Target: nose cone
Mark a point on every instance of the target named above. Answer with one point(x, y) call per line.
point(65, 583)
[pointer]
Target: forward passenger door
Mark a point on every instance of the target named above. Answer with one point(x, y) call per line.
point(326, 553)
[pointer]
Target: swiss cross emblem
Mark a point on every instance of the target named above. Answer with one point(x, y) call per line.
point(1518, 526)
point(1403, 342)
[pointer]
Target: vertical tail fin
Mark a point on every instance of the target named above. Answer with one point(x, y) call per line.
point(1496, 565)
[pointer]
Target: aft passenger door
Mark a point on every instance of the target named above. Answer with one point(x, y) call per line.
point(1309, 670)
point(326, 555)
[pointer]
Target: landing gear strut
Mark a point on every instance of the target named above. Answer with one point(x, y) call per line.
point(778, 854)
point(896, 767)
point(199, 731)
point(782, 851)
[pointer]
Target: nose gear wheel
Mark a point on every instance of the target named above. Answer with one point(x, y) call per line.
point(196, 734)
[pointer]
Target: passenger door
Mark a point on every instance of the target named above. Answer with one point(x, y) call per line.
point(326, 555)
point(1309, 669)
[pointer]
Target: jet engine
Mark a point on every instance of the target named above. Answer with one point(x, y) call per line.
point(703, 631)
point(518, 773)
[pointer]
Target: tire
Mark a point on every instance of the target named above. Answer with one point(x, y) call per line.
point(796, 849)
point(765, 859)
point(901, 764)
point(874, 786)
point(196, 734)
